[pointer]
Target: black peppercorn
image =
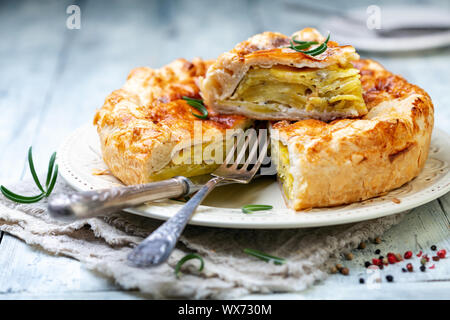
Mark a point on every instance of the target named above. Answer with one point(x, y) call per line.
point(367, 264)
point(381, 257)
point(423, 268)
point(389, 278)
point(377, 251)
point(361, 280)
point(404, 270)
point(433, 247)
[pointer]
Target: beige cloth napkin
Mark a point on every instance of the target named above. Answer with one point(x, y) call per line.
point(102, 244)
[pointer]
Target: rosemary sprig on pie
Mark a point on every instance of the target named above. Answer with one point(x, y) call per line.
point(50, 182)
point(299, 45)
point(197, 104)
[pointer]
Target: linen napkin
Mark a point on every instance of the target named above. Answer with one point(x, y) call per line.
point(103, 243)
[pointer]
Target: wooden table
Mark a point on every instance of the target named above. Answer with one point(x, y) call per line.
point(52, 79)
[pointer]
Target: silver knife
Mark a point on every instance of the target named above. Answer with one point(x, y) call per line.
point(87, 204)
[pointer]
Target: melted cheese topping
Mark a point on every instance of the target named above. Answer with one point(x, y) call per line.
point(332, 89)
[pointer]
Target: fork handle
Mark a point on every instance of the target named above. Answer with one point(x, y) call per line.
point(156, 248)
point(87, 204)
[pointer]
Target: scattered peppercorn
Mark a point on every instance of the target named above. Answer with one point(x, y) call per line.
point(423, 268)
point(345, 271)
point(408, 254)
point(436, 258)
point(442, 253)
point(362, 245)
point(349, 256)
point(377, 251)
point(389, 278)
point(385, 261)
point(426, 257)
point(367, 264)
point(381, 257)
point(392, 259)
point(433, 247)
point(404, 270)
point(432, 267)
point(377, 240)
point(423, 261)
point(376, 262)
point(419, 254)
point(410, 267)
point(398, 257)
point(381, 267)
point(361, 280)
point(339, 266)
point(333, 270)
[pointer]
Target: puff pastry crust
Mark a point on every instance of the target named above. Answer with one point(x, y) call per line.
point(350, 160)
point(299, 80)
point(142, 123)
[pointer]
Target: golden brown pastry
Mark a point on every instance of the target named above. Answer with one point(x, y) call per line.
point(326, 164)
point(262, 78)
point(147, 131)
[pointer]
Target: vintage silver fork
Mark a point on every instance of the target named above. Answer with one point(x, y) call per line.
point(157, 247)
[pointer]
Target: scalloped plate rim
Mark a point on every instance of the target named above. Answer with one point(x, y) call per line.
point(273, 219)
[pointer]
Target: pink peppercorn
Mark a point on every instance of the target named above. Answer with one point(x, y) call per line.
point(392, 259)
point(409, 266)
point(441, 253)
point(419, 254)
point(408, 254)
point(376, 262)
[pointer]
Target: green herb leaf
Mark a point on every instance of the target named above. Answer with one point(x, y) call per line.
point(197, 104)
point(18, 198)
point(50, 168)
point(306, 44)
point(250, 208)
point(53, 181)
point(264, 256)
point(33, 171)
point(188, 257)
point(52, 175)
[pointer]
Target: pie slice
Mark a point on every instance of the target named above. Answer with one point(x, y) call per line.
point(149, 133)
point(262, 78)
point(323, 164)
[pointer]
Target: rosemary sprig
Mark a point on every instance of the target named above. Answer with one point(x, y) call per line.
point(197, 104)
point(299, 45)
point(52, 175)
point(264, 256)
point(188, 257)
point(250, 208)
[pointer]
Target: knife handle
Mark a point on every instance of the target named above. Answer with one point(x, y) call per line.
point(87, 204)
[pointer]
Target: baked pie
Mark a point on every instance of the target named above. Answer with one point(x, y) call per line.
point(263, 78)
point(146, 128)
point(147, 131)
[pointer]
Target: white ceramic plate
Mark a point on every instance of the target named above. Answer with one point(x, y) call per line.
point(346, 31)
point(79, 157)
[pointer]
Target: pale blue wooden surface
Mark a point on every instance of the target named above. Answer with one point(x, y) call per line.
point(52, 79)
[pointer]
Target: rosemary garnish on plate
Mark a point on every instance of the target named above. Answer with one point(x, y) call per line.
point(197, 104)
point(264, 256)
point(52, 175)
point(250, 208)
point(188, 257)
point(298, 46)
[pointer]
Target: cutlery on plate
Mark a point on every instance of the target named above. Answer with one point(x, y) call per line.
point(88, 204)
point(156, 248)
